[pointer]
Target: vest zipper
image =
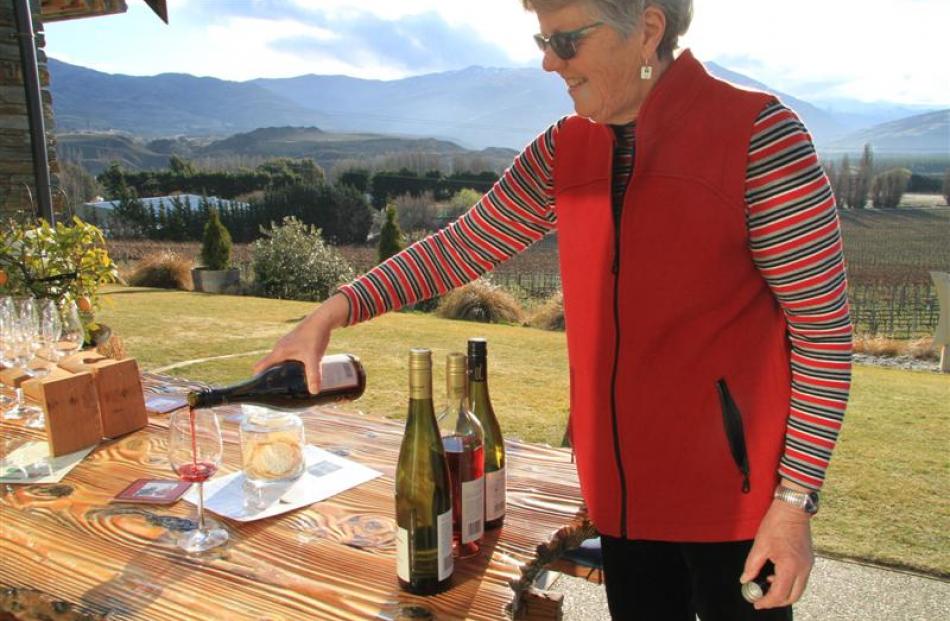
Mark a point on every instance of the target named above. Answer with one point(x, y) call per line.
point(613, 380)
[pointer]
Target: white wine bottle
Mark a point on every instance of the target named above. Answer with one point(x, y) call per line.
point(462, 440)
point(424, 560)
point(284, 385)
point(494, 445)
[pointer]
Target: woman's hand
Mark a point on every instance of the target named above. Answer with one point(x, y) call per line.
point(784, 537)
point(308, 341)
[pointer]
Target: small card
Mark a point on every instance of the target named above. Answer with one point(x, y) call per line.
point(163, 404)
point(31, 463)
point(153, 491)
point(326, 475)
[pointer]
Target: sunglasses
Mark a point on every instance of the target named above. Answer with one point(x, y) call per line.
point(564, 44)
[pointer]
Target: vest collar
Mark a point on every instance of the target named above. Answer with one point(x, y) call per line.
point(672, 97)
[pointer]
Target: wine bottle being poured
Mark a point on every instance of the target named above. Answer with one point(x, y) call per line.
point(284, 385)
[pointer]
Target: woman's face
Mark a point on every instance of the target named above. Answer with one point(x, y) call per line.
point(603, 78)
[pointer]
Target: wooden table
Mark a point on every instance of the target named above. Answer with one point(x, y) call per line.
point(66, 549)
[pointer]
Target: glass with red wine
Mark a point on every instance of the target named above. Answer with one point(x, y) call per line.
point(194, 450)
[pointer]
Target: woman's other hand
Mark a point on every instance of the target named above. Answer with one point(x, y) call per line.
point(308, 341)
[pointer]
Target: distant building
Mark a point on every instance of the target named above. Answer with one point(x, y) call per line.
point(100, 213)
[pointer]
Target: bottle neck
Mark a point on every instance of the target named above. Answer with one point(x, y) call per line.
point(205, 398)
point(477, 370)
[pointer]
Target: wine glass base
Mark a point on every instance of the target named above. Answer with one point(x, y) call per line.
point(195, 541)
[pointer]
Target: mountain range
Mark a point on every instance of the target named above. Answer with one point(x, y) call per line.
point(475, 107)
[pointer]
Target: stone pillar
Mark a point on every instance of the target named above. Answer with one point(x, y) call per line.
point(17, 183)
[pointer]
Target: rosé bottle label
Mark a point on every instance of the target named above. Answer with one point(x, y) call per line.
point(473, 510)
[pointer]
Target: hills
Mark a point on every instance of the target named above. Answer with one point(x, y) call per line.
point(921, 133)
point(475, 107)
point(97, 150)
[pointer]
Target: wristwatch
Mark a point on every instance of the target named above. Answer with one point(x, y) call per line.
point(806, 501)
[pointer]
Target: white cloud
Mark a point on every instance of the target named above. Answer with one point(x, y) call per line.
point(891, 50)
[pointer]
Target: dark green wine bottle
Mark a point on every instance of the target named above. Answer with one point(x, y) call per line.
point(424, 561)
point(494, 443)
point(284, 385)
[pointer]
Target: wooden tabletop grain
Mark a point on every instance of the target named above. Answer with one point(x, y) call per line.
point(67, 552)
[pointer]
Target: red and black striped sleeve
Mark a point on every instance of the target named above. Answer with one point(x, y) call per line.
point(515, 213)
point(795, 240)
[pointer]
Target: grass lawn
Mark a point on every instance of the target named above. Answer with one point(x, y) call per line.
point(887, 498)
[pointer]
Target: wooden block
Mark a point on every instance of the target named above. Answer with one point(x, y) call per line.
point(119, 389)
point(72, 410)
point(14, 376)
point(33, 387)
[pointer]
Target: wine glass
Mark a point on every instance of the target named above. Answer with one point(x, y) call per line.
point(6, 340)
point(51, 328)
point(18, 352)
point(194, 450)
point(73, 333)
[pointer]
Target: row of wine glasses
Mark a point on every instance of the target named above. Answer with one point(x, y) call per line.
point(32, 329)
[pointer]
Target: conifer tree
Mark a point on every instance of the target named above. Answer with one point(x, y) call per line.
point(391, 239)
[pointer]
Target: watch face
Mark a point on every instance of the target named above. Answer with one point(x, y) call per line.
point(811, 503)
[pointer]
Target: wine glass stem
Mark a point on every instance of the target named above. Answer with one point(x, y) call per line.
point(201, 506)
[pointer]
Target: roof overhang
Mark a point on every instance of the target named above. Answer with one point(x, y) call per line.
point(60, 10)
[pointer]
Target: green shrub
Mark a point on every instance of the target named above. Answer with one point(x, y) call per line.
point(163, 270)
point(391, 239)
point(480, 301)
point(216, 246)
point(550, 315)
point(291, 261)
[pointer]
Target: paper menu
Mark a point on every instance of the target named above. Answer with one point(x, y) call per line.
point(326, 475)
point(30, 463)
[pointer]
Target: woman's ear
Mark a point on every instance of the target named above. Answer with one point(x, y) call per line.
point(653, 25)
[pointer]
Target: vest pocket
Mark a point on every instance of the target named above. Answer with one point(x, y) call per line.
point(735, 434)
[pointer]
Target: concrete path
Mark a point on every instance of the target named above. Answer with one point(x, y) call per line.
point(837, 591)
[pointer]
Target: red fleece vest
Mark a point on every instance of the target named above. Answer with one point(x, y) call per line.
point(668, 320)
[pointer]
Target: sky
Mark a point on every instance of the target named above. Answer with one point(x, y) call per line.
point(819, 50)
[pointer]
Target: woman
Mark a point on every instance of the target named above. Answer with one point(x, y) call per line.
point(704, 290)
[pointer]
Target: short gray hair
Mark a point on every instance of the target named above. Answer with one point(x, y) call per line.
point(624, 15)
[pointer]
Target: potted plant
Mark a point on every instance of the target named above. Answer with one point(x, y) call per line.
point(216, 274)
point(67, 262)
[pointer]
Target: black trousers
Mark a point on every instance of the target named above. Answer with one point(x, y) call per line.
point(663, 581)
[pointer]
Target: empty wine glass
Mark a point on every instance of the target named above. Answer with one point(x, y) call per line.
point(51, 328)
point(6, 340)
point(194, 450)
point(73, 333)
point(19, 351)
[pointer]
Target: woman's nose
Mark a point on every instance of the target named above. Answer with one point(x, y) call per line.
point(551, 61)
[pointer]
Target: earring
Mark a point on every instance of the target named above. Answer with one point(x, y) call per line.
point(646, 72)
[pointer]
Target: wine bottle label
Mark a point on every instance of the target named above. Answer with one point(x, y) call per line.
point(402, 554)
point(495, 485)
point(473, 510)
point(337, 372)
point(444, 525)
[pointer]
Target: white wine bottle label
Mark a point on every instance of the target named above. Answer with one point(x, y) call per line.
point(495, 485)
point(402, 553)
point(338, 372)
point(473, 510)
point(444, 526)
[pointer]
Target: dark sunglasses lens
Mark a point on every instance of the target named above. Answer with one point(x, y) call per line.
point(541, 42)
point(563, 45)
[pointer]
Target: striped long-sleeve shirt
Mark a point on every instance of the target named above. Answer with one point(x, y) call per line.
point(793, 236)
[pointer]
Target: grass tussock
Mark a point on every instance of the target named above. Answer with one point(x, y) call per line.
point(162, 270)
point(480, 301)
point(919, 349)
point(550, 314)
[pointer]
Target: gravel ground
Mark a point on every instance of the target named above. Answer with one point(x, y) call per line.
point(897, 362)
point(837, 591)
